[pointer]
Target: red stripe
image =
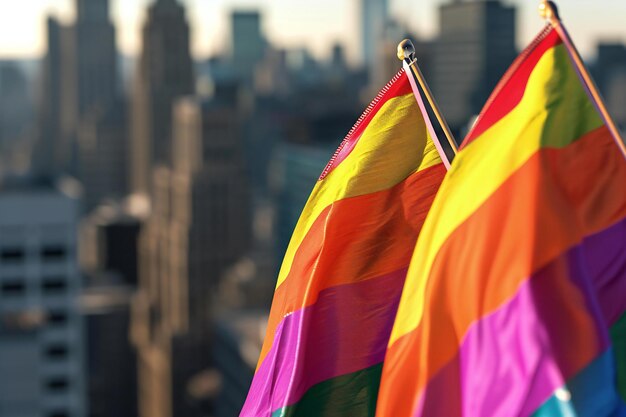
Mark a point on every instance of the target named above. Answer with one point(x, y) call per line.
point(510, 90)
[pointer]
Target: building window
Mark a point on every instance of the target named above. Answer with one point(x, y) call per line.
point(56, 352)
point(57, 318)
point(57, 384)
point(12, 288)
point(54, 285)
point(53, 253)
point(12, 254)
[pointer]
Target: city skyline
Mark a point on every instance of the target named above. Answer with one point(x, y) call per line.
point(290, 24)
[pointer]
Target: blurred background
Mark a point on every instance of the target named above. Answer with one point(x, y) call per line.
point(155, 156)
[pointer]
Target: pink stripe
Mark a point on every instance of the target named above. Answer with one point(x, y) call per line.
point(346, 330)
point(429, 124)
point(511, 361)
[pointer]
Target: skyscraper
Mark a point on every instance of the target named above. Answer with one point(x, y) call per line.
point(475, 46)
point(164, 73)
point(79, 75)
point(374, 19)
point(96, 57)
point(51, 152)
point(103, 154)
point(199, 226)
point(247, 41)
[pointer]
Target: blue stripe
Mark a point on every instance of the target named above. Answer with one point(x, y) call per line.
point(591, 393)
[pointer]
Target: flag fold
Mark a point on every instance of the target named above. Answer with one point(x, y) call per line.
point(518, 280)
point(343, 272)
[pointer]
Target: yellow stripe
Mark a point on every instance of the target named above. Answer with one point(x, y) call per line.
point(554, 112)
point(394, 145)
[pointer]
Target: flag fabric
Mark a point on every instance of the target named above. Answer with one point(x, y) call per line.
point(518, 279)
point(343, 272)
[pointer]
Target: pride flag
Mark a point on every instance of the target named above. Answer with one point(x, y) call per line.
point(343, 272)
point(519, 274)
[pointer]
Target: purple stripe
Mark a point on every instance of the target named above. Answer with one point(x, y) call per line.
point(346, 330)
point(606, 261)
point(512, 360)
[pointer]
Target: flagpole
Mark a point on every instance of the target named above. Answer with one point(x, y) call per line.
point(549, 11)
point(406, 53)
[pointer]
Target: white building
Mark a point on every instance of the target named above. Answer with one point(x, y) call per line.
point(41, 336)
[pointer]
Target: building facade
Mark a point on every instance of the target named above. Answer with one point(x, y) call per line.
point(199, 226)
point(41, 333)
point(164, 73)
point(475, 47)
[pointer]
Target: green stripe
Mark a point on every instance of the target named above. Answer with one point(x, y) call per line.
point(618, 334)
point(351, 395)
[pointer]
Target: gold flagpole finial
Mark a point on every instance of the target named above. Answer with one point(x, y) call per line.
point(406, 50)
point(549, 11)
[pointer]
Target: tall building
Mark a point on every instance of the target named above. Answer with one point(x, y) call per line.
point(611, 60)
point(95, 57)
point(111, 360)
point(164, 73)
point(15, 104)
point(103, 153)
point(247, 42)
point(475, 47)
point(198, 227)
point(51, 152)
point(238, 341)
point(79, 75)
point(41, 332)
point(374, 19)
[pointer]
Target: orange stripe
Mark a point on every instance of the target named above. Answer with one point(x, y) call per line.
point(372, 235)
point(538, 211)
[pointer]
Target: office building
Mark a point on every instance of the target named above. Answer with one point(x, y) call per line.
point(111, 360)
point(164, 73)
point(51, 153)
point(374, 20)
point(247, 42)
point(475, 47)
point(41, 332)
point(198, 227)
point(103, 152)
point(238, 341)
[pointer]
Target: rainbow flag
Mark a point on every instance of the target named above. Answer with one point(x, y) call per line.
point(519, 274)
point(343, 272)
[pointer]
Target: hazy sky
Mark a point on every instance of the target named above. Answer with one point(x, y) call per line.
point(314, 23)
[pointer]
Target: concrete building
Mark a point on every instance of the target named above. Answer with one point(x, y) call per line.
point(103, 152)
point(41, 333)
point(109, 241)
point(199, 226)
point(374, 20)
point(79, 74)
point(238, 341)
point(296, 169)
point(16, 107)
point(475, 47)
point(111, 360)
point(247, 42)
point(51, 153)
point(96, 77)
point(164, 73)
